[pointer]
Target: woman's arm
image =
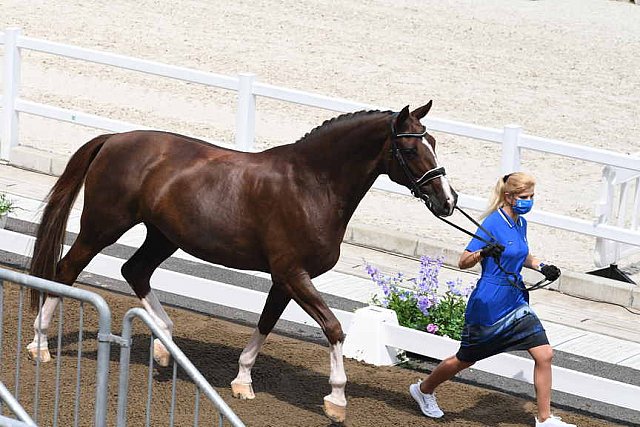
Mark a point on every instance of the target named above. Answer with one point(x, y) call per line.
point(532, 262)
point(469, 259)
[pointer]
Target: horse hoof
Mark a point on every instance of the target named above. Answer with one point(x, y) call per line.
point(242, 391)
point(41, 354)
point(336, 413)
point(160, 354)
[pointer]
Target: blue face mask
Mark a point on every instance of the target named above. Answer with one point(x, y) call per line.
point(523, 206)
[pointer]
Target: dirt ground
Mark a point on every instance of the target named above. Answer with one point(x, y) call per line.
point(290, 378)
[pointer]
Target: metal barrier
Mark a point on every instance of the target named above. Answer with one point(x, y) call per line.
point(64, 397)
point(179, 359)
point(23, 418)
point(619, 205)
point(102, 351)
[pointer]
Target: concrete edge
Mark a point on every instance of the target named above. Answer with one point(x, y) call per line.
point(571, 283)
point(38, 160)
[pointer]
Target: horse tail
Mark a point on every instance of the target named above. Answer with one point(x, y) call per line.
point(51, 231)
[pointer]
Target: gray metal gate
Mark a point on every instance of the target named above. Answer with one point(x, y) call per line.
point(45, 379)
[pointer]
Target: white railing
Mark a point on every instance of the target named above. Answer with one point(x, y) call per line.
point(619, 205)
point(511, 138)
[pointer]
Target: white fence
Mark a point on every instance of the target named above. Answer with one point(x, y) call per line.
point(511, 138)
point(619, 205)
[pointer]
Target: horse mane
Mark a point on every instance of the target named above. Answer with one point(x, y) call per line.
point(330, 123)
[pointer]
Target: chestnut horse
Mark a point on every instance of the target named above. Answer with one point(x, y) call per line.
point(283, 211)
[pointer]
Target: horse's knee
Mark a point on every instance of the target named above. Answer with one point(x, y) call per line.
point(333, 331)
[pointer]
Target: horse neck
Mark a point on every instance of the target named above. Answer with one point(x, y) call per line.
point(348, 158)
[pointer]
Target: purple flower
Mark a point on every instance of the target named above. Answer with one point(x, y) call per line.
point(428, 274)
point(432, 328)
point(454, 287)
point(386, 290)
point(371, 271)
point(405, 295)
point(424, 304)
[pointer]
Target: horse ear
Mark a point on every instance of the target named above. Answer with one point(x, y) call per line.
point(422, 111)
point(402, 116)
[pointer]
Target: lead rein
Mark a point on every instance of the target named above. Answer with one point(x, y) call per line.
point(539, 285)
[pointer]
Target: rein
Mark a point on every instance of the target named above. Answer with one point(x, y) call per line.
point(510, 274)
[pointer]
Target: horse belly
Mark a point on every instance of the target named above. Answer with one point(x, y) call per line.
point(228, 254)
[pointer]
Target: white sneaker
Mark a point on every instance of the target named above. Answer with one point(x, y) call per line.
point(553, 421)
point(427, 402)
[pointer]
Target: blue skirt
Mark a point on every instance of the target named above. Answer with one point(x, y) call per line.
point(518, 330)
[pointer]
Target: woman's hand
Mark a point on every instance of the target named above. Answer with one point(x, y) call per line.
point(493, 250)
point(551, 272)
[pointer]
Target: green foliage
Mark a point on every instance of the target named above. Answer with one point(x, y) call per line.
point(6, 205)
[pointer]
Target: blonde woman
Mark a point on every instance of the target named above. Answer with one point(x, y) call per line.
point(498, 317)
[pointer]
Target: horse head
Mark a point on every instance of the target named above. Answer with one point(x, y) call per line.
point(414, 163)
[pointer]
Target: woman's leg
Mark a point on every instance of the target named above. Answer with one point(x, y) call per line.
point(542, 355)
point(446, 370)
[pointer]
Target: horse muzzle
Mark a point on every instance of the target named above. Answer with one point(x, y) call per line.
point(443, 203)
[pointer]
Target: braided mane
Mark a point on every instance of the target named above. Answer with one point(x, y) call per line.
point(328, 124)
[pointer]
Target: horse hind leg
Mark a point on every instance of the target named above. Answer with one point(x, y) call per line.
point(80, 254)
point(138, 270)
point(277, 300)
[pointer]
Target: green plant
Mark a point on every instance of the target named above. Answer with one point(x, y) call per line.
point(418, 302)
point(6, 205)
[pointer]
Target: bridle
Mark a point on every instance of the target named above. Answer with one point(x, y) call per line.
point(437, 173)
point(429, 175)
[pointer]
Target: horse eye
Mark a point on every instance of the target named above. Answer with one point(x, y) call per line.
point(410, 152)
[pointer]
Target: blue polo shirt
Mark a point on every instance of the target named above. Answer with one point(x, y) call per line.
point(493, 296)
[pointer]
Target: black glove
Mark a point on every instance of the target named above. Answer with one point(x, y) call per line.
point(493, 250)
point(551, 272)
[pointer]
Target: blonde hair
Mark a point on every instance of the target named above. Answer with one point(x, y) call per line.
point(513, 183)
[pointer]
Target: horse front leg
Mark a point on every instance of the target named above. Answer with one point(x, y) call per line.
point(335, 404)
point(306, 295)
point(39, 348)
point(277, 300)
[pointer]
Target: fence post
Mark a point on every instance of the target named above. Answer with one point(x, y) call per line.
point(365, 340)
point(246, 115)
point(10, 85)
point(102, 368)
point(510, 161)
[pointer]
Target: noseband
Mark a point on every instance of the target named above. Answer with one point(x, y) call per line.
point(426, 177)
